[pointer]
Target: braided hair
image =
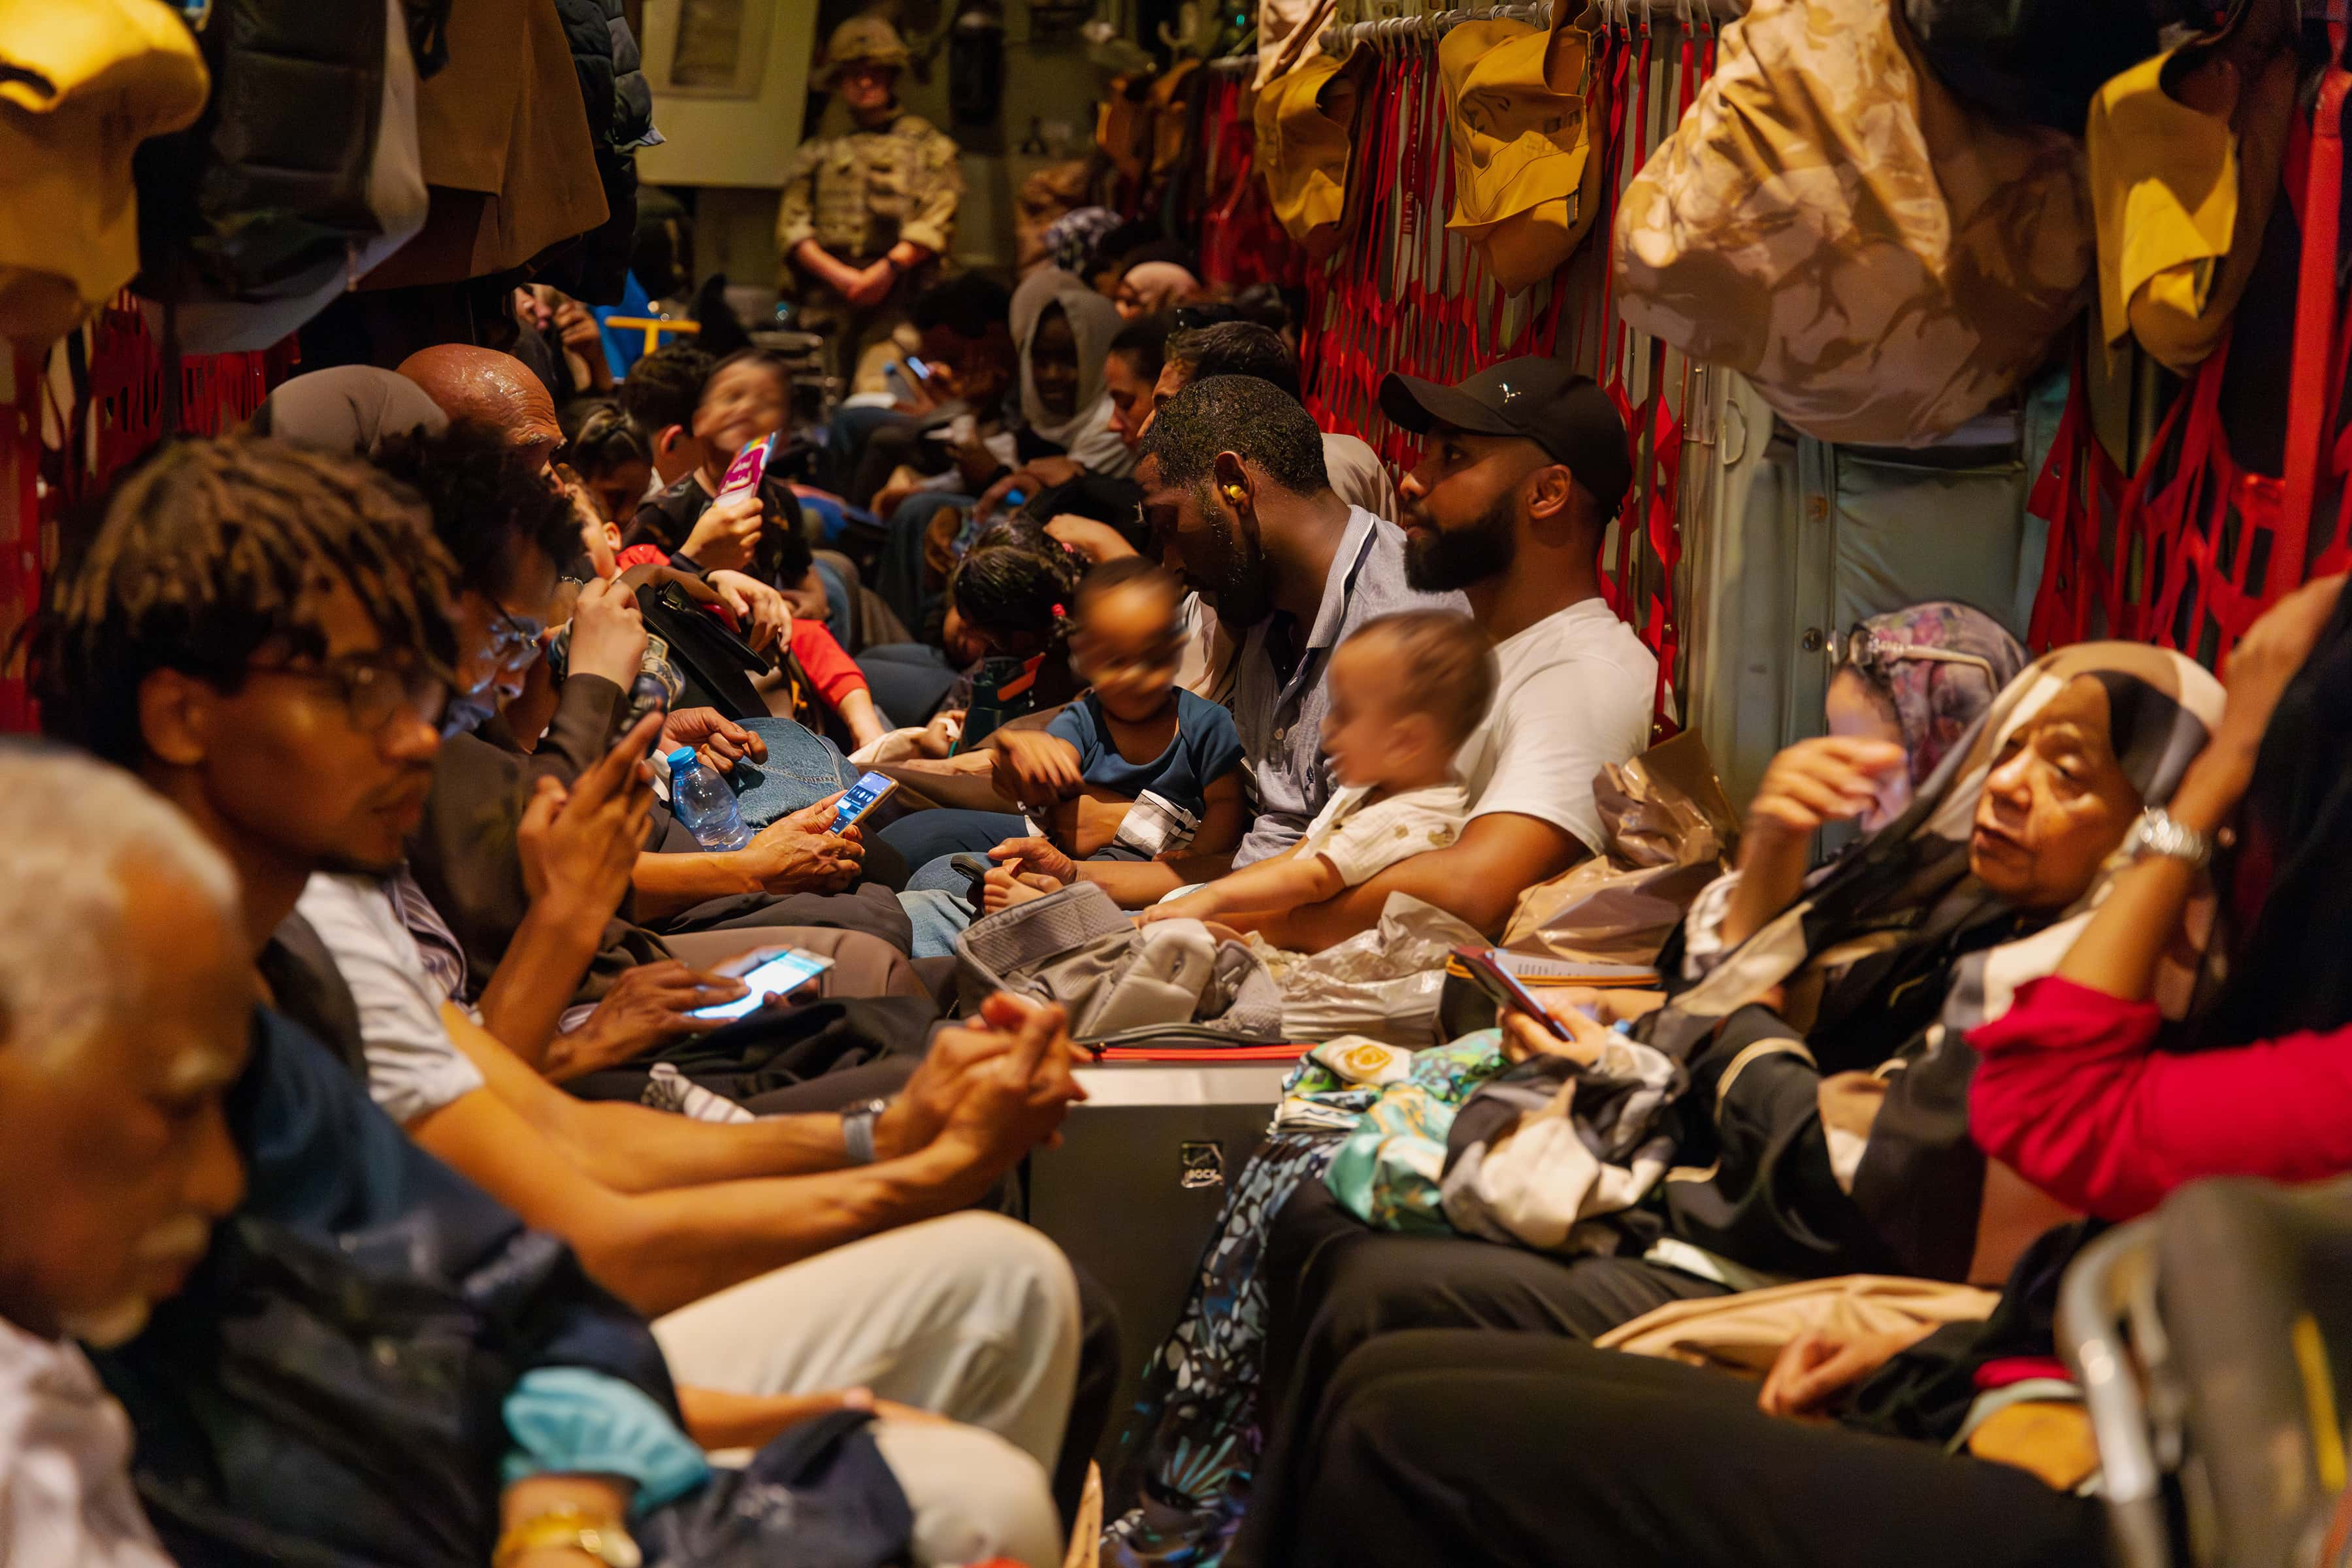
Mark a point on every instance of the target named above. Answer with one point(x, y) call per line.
point(1008, 591)
point(210, 551)
point(603, 439)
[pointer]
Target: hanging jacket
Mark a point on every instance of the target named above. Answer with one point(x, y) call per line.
point(619, 104)
point(507, 151)
point(633, 113)
point(303, 171)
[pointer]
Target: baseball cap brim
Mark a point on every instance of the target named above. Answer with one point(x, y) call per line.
point(1421, 406)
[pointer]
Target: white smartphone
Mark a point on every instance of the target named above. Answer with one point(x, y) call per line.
point(870, 791)
point(769, 972)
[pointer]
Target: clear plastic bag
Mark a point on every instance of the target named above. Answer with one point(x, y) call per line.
point(1671, 831)
point(1383, 983)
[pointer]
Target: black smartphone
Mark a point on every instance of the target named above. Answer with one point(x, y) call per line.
point(1501, 987)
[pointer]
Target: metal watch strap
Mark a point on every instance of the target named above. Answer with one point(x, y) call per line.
point(2155, 833)
point(857, 1130)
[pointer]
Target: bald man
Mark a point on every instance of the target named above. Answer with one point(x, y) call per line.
point(492, 388)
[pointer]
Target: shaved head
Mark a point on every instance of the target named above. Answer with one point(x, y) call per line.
point(489, 388)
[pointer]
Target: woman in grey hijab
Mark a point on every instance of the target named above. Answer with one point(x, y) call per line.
point(349, 407)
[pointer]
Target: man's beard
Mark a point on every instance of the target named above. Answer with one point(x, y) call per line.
point(1242, 595)
point(1442, 560)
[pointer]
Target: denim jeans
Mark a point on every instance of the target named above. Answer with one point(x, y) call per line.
point(837, 598)
point(801, 769)
point(924, 837)
point(939, 917)
point(898, 575)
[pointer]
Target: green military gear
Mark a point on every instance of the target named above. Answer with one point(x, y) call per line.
point(862, 192)
point(863, 40)
point(856, 195)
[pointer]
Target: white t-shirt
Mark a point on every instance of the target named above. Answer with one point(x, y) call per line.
point(66, 1493)
point(1358, 476)
point(1574, 693)
point(1362, 840)
point(414, 1068)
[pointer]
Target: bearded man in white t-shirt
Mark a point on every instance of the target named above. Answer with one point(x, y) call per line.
point(1526, 463)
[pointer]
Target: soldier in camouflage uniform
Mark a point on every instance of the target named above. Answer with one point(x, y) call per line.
point(866, 214)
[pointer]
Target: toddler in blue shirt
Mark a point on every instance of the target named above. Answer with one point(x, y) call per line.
point(1137, 768)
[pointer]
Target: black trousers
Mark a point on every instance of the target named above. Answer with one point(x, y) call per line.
point(1336, 1285)
point(1476, 1449)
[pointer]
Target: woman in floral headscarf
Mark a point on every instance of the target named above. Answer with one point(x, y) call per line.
point(1918, 678)
point(1905, 687)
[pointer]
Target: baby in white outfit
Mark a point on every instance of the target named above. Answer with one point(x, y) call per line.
point(1407, 689)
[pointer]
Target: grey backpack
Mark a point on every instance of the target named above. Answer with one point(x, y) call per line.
point(1166, 982)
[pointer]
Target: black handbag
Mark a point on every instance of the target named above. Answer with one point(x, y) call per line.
point(716, 666)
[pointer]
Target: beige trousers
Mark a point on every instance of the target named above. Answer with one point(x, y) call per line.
point(971, 1316)
point(863, 966)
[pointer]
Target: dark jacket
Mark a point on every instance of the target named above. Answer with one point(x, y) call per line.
point(265, 196)
point(614, 90)
point(261, 1439)
point(463, 854)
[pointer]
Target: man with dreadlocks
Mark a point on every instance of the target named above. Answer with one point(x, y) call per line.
point(265, 634)
point(249, 617)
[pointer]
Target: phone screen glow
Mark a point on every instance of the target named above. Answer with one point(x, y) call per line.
point(780, 976)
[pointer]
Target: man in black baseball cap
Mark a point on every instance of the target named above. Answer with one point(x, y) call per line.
point(1528, 435)
point(1524, 465)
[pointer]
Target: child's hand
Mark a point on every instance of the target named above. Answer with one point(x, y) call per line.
point(938, 741)
point(1034, 769)
point(727, 533)
point(1192, 907)
point(1008, 885)
point(1037, 857)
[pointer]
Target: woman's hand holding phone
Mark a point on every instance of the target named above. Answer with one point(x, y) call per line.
point(1524, 1036)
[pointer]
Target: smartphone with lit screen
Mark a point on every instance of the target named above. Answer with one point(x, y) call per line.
point(769, 971)
point(870, 791)
point(1503, 988)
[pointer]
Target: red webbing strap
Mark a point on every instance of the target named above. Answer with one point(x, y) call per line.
point(2310, 397)
point(2078, 489)
point(2172, 521)
point(20, 542)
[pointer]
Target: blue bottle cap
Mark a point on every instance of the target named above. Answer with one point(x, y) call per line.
point(681, 758)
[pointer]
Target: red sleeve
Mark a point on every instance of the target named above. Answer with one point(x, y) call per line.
point(2069, 1094)
point(836, 675)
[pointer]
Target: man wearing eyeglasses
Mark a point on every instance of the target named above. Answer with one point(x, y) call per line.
point(264, 634)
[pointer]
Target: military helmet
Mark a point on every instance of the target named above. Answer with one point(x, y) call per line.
point(862, 41)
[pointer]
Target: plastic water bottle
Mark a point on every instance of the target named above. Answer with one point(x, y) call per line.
point(701, 800)
point(656, 687)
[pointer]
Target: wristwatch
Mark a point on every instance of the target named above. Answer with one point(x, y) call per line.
point(857, 1130)
point(569, 1530)
point(2156, 833)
